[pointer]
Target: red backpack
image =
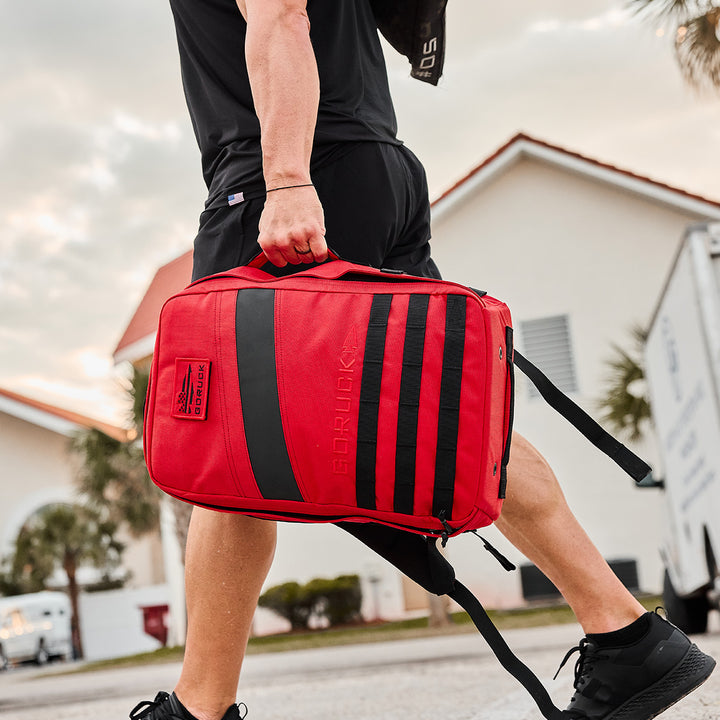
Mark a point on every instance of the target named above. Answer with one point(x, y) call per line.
point(337, 393)
point(369, 398)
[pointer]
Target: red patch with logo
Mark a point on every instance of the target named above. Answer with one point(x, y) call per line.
point(192, 382)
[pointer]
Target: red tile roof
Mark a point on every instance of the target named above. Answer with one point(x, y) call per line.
point(168, 280)
point(73, 417)
point(520, 137)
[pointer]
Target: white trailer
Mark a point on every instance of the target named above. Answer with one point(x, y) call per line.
point(682, 358)
point(35, 627)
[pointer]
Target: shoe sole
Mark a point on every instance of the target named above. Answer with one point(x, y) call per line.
point(691, 672)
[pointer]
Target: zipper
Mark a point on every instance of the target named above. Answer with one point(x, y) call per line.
point(511, 411)
point(310, 517)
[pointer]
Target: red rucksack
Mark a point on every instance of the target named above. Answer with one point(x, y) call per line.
point(338, 393)
point(342, 393)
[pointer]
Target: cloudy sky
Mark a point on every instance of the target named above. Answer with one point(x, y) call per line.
point(99, 172)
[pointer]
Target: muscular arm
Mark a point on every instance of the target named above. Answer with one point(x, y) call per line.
point(286, 91)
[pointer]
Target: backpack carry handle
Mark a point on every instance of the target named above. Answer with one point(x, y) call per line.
point(260, 260)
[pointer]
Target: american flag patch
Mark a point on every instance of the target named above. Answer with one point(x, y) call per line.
point(190, 399)
point(235, 199)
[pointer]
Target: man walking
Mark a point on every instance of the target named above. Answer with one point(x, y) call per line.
point(292, 112)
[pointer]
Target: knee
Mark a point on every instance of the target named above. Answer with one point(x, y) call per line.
point(532, 488)
point(232, 530)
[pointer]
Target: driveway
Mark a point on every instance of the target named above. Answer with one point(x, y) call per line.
point(453, 678)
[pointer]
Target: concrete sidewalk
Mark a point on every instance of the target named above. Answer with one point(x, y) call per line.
point(454, 678)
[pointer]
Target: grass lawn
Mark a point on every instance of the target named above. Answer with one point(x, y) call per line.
point(373, 632)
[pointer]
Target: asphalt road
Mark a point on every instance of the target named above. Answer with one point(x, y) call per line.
point(452, 678)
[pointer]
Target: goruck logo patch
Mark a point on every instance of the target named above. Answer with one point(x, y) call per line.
point(192, 382)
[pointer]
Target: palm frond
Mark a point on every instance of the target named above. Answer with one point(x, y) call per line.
point(624, 405)
point(137, 391)
point(697, 47)
point(113, 477)
point(677, 10)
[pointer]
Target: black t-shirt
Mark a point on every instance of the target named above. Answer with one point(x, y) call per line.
point(355, 103)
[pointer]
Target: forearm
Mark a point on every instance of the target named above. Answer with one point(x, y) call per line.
point(286, 90)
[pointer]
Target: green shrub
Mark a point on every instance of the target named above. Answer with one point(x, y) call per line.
point(337, 601)
point(289, 601)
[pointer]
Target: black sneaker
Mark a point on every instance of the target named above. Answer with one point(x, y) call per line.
point(637, 680)
point(168, 707)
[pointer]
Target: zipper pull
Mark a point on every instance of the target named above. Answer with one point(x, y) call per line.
point(445, 535)
point(495, 553)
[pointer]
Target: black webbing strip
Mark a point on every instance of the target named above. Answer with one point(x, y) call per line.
point(511, 411)
point(573, 413)
point(409, 404)
point(504, 654)
point(255, 342)
point(449, 411)
point(370, 401)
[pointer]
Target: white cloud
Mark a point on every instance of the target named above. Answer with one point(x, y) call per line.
point(612, 18)
point(135, 126)
point(94, 362)
point(546, 26)
point(96, 172)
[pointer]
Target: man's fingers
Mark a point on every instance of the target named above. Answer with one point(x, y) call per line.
point(306, 256)
point(319, 248)
point(272, 253)
point(279, 253)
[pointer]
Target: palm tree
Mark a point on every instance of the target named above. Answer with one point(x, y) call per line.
point(625, 406)
point(64, 537)
point(137, 390)
point(26, 570)
point(113, 476)
point(697, 36)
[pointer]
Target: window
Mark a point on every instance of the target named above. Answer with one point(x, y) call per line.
point(546, 343)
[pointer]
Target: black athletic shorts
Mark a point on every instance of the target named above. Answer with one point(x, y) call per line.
point(377, 212)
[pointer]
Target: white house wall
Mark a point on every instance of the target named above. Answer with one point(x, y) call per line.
point(112, 621)
point(35, 472)
point(38, 470)
point(550, 242)
point(143, 557)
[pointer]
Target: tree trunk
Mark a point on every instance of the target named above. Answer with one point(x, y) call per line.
point(70, 568)
point(182, 512)
point(439, 606)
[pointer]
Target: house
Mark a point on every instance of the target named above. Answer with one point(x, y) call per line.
point(579, 249)
point(40, 470)
point(37, 464)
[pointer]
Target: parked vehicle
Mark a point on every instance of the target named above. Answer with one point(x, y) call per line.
point(35, 627)
point(683, 371)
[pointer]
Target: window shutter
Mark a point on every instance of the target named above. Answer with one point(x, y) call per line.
point(546, 343)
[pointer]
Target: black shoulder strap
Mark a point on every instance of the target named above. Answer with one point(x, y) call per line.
point(635, 467)
point(419, 558)
point(521, 672)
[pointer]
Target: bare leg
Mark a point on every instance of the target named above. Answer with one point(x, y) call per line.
point(537, 521)
point(227, 560)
